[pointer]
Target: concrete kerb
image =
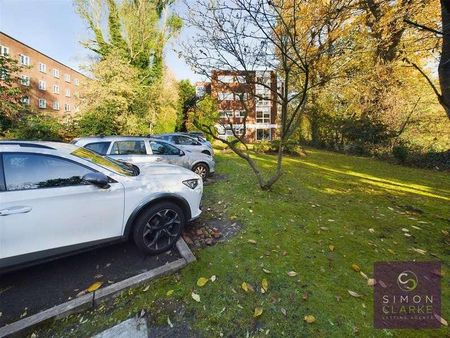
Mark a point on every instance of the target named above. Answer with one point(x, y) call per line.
point(87, 301)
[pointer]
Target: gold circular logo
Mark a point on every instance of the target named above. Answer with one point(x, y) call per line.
point(407, 281)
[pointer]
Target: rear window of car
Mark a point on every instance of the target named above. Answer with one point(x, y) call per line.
point(128, 148)
point(98, 147)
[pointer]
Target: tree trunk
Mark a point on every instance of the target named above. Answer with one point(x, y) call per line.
point(444, 64)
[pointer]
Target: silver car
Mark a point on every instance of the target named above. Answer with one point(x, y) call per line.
point(187, 142)
point(143, 150)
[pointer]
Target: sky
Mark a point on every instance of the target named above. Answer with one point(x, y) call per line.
point(54, 28)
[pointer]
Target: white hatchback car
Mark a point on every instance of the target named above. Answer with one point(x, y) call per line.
point(57, 198)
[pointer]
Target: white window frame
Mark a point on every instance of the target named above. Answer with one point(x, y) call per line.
point(55, 105)
point(67, 92)
point(225, 96)
point(42, 85)
point(42, 103)
point(25, 100)
point(240, 114)
point(42, 67)
point(265, 116)
point(55, 73)
point(4, 51)
point(25, 80)
point(24, 60)
point(225, 114)
point(67, 77)
point(259, 139)
point(66, 107)
point(55, 89)
point(76, 82)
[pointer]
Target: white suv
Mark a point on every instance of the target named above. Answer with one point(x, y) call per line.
point(58, 198)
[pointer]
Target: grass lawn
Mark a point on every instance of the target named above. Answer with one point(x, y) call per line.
point(328, 211)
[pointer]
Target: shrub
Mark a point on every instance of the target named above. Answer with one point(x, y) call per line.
point(37, 127)
point(400, 153)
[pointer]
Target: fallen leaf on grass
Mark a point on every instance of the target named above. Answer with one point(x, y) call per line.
point(356, 267)
point(146, 288)
point(354, 294)
point(247, 287)
point(201, 282)
point(440, 319)
point(372, 230)
point(195, 297)
point(310, 319)
point(213, 278)
point(169, 293)
point(363, 274)
point(371, 282)
point(391, 251)
point(422, 252)
point(305, 296)
point(264, 285)
point(292, 273)
point(258, 312)
point(251, 241)
point(283, 311)
point(169, 322)
point(331, 247)
point(94, 286)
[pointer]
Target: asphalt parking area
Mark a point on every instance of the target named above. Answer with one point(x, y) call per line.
point(34, 289)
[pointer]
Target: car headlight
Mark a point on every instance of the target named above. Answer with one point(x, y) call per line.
point(193, 183)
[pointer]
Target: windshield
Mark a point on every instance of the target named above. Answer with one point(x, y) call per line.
point(104, 161)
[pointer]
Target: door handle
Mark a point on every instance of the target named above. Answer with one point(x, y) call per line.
point(15, 210)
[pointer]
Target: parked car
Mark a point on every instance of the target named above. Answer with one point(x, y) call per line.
point(140, 150)
point(58, 198)
point(187, 142)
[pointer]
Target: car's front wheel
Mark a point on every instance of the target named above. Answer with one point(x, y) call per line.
point(202, 170)
point(159, 227)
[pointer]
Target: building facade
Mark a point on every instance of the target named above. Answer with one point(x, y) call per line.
point(51, 86)
point(238, 93)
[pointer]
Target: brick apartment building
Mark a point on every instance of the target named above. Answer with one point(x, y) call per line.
point(230, 88)
point(52, 86)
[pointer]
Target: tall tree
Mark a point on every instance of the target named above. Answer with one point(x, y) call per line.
point(187, 101)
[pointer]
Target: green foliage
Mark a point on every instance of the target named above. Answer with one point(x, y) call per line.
point(37, 127)
point(205, 115)
point(186, 100)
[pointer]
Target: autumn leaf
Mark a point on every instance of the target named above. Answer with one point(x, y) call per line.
point(213, 278)
point(251, 241)
point(258, 312)
point(356, 267)
point(195, 297)
point(305, 296)
point(310, 319)
point(94, 286)
point(247, 287)
point(371, 282)
point(440, 319)
point(292, 273)
point(363, 274)
point(283, 311)
point(266, 271)
point(201, 282)
point(264, 285)
point(146, 288)
point(169, 293)
point(331, 247)
point(422, 252)
point(354, 294)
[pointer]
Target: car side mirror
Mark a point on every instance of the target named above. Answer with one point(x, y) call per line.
point(182, 153)
point(98, 179)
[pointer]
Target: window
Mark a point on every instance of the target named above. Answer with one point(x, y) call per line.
point(4, 75)
point(262, 116)
point(42, 85)
point(56, 89)
point(128, 148)
point(222, 96)
point(67, 77)
point(184, 140)
point(67, 92)
point(55, 105)
point(240, 114)
point(24, 60)
point(76, 82)
point(225, 114)
point(42, 67)
point(241, 96)
point(66, 107)
point(32, 171)
point(55, 73)
point(226, 78)
point(25, 100)
point(4, 50)
point(42, 103)
point(162, 148)
point(263, 134)
point(25, 80)
point(98, 147)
